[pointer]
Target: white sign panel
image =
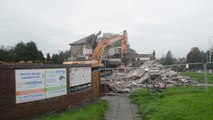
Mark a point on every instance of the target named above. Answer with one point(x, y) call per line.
point(30, 85)
point(56, 82)
point(80, 78)
point(187, 66)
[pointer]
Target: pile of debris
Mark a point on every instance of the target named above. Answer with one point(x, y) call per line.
point(151, 75)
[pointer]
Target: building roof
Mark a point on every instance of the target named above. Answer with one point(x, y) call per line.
point(144, 55)
point(84, 40)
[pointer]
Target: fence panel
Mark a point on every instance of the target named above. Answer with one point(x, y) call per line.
point(57, 98)
point(96, 84)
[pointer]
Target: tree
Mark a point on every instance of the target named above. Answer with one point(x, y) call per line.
point(40, 56)
point(168, 59)
point(48, 59)
point(32, 52)
point(6, 53)
point(204, 56)
point(55, 59)
point(27, 52)
point(61, 57)
point(20, 52)
point(3, 53)
point(195, 55)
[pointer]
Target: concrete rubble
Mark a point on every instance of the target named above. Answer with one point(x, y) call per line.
point(151, 75)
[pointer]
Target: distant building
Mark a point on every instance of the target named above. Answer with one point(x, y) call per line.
point(141, 58)
point(145, 57)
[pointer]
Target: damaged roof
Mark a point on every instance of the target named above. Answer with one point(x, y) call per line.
point(84, 40)
point(88, 39)
point(144, 55)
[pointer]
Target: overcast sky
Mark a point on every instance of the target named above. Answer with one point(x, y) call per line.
point(159, 25)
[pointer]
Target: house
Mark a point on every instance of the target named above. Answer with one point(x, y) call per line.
point(145, 57)
point(83, 47)
point(141, 58)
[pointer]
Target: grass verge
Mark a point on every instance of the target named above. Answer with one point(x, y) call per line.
point(94, 111)
point(198, 76)
point(183, 103)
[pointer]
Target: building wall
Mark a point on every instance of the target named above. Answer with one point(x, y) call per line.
point(80, 50)
point(87, 50)
point(77, 50)
point(143, 58)
point(10, 110)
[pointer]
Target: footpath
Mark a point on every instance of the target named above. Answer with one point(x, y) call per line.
point(120, 108)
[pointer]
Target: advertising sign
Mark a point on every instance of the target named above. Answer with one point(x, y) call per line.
point(80, 78)
point(56, 82)
point(30, 85)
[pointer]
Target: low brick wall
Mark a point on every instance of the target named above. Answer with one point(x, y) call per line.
point(9, 110)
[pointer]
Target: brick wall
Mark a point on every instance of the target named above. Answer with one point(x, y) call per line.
point(9, 110)
point(7, 92)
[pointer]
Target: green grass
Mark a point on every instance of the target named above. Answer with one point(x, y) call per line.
point(182, 103)
point(198, 76)
point(94, 111)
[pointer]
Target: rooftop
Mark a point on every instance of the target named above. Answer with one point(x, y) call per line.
point(84, 40)
point(144, 55)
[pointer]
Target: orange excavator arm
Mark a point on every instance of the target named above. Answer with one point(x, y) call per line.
point(98, 52)
point(124, 46)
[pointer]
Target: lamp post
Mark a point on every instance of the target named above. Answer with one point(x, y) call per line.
point(210, 46)
point(105, 66)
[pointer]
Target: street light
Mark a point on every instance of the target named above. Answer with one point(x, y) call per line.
point(210, 46)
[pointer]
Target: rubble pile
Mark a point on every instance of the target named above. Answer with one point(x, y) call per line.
point(151, 75)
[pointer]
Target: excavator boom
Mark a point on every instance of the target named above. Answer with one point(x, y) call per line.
point(96, 59)
point(98, 52)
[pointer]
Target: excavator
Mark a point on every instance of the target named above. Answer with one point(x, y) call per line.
point(96, 58)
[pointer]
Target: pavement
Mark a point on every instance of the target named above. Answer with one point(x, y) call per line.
point(120, 108)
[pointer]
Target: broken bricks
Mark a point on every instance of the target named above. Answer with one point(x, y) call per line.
point(151, 74)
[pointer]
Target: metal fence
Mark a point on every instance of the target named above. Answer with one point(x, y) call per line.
point(198, 67)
